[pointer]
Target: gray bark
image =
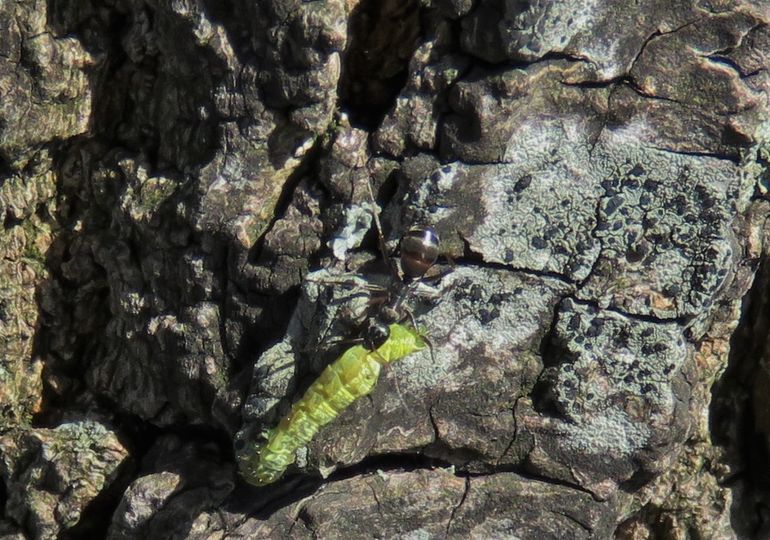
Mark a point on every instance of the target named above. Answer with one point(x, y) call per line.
point(183, 188)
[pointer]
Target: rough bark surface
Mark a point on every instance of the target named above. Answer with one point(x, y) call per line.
point(187, 230)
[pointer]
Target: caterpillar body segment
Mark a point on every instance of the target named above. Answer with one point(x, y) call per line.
point(351, 376)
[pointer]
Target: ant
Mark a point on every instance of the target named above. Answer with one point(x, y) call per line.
point(419, 251)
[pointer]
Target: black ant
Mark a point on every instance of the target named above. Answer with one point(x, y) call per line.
point(419, 251)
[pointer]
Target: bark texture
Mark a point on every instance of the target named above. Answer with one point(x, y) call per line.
point(187, 230)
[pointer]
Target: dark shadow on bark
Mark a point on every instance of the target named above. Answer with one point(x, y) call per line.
point(384, 35)
point(77, 301)
point(736, 399)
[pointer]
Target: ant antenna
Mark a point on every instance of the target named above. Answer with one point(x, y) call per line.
point(380, 238)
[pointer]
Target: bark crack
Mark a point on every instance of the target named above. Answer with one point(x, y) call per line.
point(458, 506)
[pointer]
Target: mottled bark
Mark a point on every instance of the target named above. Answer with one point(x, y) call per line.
point(187, 230)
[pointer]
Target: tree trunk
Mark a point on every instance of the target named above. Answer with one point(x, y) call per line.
point(188, 191)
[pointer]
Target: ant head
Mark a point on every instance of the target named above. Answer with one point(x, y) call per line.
point(419, 251)
point(377, 333)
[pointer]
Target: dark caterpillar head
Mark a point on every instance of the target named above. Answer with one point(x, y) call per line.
point(419, 251)
point(376, 334)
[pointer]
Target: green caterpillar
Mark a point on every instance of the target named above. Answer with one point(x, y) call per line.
point(351, 376)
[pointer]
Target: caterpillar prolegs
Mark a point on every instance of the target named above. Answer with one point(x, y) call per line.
point(351, 376)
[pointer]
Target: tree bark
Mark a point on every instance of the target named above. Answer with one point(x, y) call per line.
point(188, 235)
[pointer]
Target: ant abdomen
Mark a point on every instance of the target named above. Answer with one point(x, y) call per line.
point(419, 251)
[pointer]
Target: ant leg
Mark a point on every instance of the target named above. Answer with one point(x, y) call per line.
point(440, 275)
point(380, 238)
point(348, 282)
point(427, 291)
point(425, 338)
point(332, 343)
point(429, 285)
point(410, 316)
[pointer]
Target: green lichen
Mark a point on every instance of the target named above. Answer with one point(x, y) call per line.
point(24, 242)
point(154, 192)
point(756, 160)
